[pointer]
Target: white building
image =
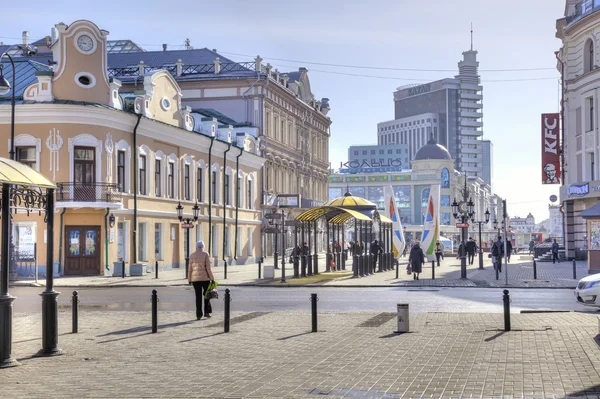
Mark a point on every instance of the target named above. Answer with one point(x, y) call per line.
point(555, 227)
point(578, 62)
point(523, 225)
point(413, 131)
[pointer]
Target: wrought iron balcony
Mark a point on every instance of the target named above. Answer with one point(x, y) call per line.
point(88, 192)
point(582, 9)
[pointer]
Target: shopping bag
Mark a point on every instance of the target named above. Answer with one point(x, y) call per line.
point(211, 291)
point(408, 269)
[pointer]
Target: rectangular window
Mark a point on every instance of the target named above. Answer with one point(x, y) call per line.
point(121, 170)
point(157, 177)
point(200, 184)
point(249, 199)
point(143, 242)
point(27, 156)
point(239, 190)
point(158, 241)
point(591, 113)
point(142, 166)
point(214, 187)
point(355, 152)
point(186, 182)
point(226, 190)
point(171, 180)
point(381, 151)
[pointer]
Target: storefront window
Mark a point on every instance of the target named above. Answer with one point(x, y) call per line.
point(402, 194)
point(357, 191)
point(375, 195)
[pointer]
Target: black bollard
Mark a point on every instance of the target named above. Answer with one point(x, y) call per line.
point(75, 302)
point(534, 270)
point(433, 270)
point(296, 266)
point(156, 270)
point(496, 268)
point(506, 300)
point(259, 267)
point(574, 270)
point(154, 311)
point(397, 270)
point(313, 300)
point(227, 300)
point(225, 271)
point(123, 276)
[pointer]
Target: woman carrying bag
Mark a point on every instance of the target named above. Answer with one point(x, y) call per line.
point(200, 275)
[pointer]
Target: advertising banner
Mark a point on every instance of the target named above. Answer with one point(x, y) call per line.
point(431, 225)
point(550, 149)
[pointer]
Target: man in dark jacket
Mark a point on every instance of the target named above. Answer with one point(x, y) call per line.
point(555, 252)
point(498, 253)
point(416, 260)
point(375, 250)
point(508, 250)
point(471, 248)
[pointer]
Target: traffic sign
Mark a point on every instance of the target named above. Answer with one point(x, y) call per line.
point(553, 198)
point(273, 216)
point(271, 230)
point(462, 225)
point(187, 225)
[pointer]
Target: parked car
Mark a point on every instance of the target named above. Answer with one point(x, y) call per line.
point(587, 291)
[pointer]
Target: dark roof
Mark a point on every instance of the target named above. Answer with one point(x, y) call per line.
point(432, 150)
point(590, 213)
point(160, 58)
point(224, 119)
point(26, 69)
point(294, 76)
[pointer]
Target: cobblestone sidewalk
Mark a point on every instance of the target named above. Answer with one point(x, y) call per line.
point(273, 355)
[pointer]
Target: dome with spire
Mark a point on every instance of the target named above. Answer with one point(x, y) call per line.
point(432, 150)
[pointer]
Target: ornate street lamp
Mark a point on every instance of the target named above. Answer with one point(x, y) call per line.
point(463, 211)
point(187, 224)
point(479, 222)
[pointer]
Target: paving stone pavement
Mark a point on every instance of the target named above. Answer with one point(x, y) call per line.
point(520, 275)
point(273, 355)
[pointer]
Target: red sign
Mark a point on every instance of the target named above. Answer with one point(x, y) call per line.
point(462, 225)
point(187, 225)
point(550, 149)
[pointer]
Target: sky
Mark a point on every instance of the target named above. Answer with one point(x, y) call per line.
point(508, 34)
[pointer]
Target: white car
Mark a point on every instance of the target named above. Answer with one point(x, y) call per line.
point(588, 290)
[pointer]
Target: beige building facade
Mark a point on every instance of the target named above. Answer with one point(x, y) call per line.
point(123, 161)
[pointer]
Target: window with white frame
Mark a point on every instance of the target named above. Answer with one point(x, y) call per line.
point(158, 241)
point(27, 150)
point(227, 187)
point(142, 242)
point(250, 192)
point(215, 174)
point(123, 162)
point(187, 178)
point(143, 169)
point(172, 186)
point(159, 174)
point(239, 191)
point(200, 171)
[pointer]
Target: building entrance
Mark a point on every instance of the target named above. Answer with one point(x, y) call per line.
point(82, 256)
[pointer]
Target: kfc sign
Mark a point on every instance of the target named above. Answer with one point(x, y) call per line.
point(550, 149)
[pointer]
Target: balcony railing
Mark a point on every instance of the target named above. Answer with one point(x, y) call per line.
point(585, 7)
point(88, 192)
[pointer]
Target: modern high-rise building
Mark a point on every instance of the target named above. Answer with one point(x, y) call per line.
point(414, 132)
point(488, 155)
point(458, 104)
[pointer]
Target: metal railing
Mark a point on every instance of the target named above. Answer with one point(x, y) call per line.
point(185, 69)
point(582, 9)
point(88, 192)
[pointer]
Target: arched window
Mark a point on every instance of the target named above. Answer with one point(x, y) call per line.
point(250, 192)
point(588, 56)
point(445, 178)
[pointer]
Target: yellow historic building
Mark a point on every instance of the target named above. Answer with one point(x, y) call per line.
point(123, 161)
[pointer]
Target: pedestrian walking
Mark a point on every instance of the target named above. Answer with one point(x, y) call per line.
point(200, 275)
point(555, 252)
point(531, 246)
point(498, 253)
point(471, 248)
point(509, 248)
point(439, 251)
point(416, 260)
point(375, 250)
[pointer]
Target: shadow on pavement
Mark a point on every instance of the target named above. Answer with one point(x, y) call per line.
point(493, 337)
point(294, 336)
point(120, 339)
point(144, 329)
point(205, 336)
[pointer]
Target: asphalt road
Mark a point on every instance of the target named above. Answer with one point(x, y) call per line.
point(474, 300)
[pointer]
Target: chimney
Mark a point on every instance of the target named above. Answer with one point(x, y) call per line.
point(302, 69)
point(25, 38)
point(214, 50)
point(164, 46)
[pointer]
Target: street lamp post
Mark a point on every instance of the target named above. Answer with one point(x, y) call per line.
point(187, 224)
point(282, 246)
point(479, 222)
point(463, 211)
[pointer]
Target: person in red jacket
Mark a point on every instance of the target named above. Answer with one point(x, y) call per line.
point(200, 275)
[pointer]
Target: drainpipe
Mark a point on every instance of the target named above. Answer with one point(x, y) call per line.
point(224, 202)
point(135, 177)
point(562, 116)
point(212, 141)
point(106, 237)
point(237, 201)
point(262, 169)
point(60, 242)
